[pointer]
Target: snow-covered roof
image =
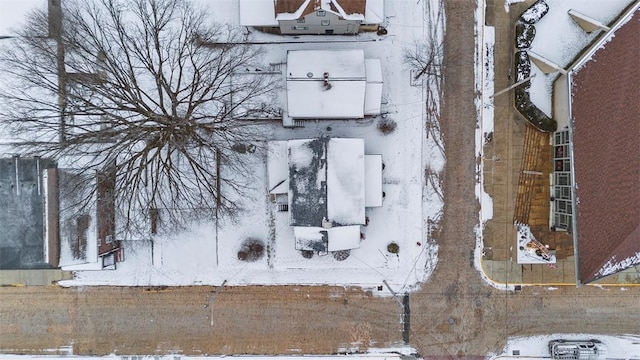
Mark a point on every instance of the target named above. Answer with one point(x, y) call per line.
point(337, 238)
point(345, 181)
point(372, 180)
point(13, 14)
point(373, 89)
point(277, 168)
point(344, 238)
point(269, 12)
point(374, 12)
point(312, 64)
point(295, 9)
point(326, 181)
point(257, 13)
point(326, 84)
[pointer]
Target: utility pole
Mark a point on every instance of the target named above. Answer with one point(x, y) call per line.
point(212, 298)
point(54, 10)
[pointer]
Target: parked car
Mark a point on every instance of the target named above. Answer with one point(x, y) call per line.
point(576, 349)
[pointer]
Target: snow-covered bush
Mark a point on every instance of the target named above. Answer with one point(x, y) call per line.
point(534, 116)
point(535, 12)
point(341, 255)
point(523, 67)
point(531, 113)
point(524, 35)
point(387, 126)
point(251, 250)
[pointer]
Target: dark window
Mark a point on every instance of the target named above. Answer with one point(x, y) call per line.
point(321, 13)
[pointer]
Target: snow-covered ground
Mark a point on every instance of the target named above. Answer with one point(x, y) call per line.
point(208, 254)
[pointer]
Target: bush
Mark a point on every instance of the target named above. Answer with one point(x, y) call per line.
point(307, 254)
point(535, 12)
point(525, 33)
point(387, 126)
point(393, 248)
point(534, 116)
point(523, 67)
point(341, 255)
point(251, 250)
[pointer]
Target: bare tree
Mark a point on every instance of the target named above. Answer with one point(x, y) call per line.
point(424, 57)
point(132, 88)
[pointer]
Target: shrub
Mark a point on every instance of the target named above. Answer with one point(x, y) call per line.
point(239, 148)
point(307, 254)
point(534, 116)
point(251, 250)
point(387, 126)
point(393, 248)
point(523, 67)
point(535, 12)
point(341, 254)
point(525, 33)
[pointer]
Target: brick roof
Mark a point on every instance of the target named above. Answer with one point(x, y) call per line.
point(606, 140)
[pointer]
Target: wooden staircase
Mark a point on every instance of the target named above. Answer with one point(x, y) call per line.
point(531, 172)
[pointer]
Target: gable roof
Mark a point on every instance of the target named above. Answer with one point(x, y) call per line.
point(326, 182)
point(605, 114)
point(353, 87)
point(347, 9)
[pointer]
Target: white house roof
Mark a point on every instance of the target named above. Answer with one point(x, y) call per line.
point(347, 74)
point(310, 100)
point(373, 90)
point(257, 13)
point(326, 182)
point(312, 64)
point(332, 239)
point(374, 12)
point(344, 238)
point(277, 168)
point(372, 180)
point(345, 181)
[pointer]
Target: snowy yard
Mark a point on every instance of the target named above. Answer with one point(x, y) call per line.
point(207, 254)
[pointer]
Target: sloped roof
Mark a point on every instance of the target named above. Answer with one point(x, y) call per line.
point(326, 181)
point(302, 8)
point(606, 152)
point(354, 86)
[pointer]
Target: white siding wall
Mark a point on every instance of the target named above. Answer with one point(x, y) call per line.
point(561, 101)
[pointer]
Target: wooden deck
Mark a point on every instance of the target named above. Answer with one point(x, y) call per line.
point(533, 196)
